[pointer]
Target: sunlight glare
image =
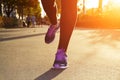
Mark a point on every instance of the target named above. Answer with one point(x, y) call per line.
point(92, 3)
point(115, 3)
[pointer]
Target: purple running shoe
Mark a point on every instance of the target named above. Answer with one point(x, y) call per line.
point(50, 35)
point(60, 60)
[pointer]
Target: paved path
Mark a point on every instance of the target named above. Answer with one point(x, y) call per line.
point(93, 54)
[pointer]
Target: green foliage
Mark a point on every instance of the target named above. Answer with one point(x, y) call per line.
point(9, 6)
point(1, 21)
point(22, 6)
point(33, 10)
point(10, 22)
point(31, 7)
point(0, 9)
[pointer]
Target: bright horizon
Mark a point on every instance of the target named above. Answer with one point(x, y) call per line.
point(91, 4)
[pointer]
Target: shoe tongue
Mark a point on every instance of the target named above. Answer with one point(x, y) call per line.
point(60, 51)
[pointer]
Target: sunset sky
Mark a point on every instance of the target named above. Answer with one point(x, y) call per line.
point(93, 4)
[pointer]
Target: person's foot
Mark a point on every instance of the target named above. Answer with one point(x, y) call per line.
point(50, 35)
point(60, 60)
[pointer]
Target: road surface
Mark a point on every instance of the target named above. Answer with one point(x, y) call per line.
point(93, 54)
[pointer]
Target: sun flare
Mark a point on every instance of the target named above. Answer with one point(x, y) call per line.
point(115, 3)
point(94, 3)
point(91, 3)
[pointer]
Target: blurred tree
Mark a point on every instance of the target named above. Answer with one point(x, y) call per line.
point(28, 7)
point(1, 8)
point(33, 9)
point(84, 10)
point(100, 6)
point(9, 6)
point(21, 6)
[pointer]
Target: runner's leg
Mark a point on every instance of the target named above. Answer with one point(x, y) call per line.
point(67, 22)
point(50, 9)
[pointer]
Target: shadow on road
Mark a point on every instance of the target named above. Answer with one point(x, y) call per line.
point(9, 30)
point(104, 36)
point(20, 37)
point(49, 75)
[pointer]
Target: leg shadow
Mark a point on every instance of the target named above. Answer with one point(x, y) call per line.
point(50, 74)
point(20, 37)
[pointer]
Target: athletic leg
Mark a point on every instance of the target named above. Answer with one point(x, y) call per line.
point(67, 22)
point(50, 9)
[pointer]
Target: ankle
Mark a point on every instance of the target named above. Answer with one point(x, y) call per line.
point(61, 51)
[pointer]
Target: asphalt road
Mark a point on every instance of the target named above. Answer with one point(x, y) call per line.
point(93, 54)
